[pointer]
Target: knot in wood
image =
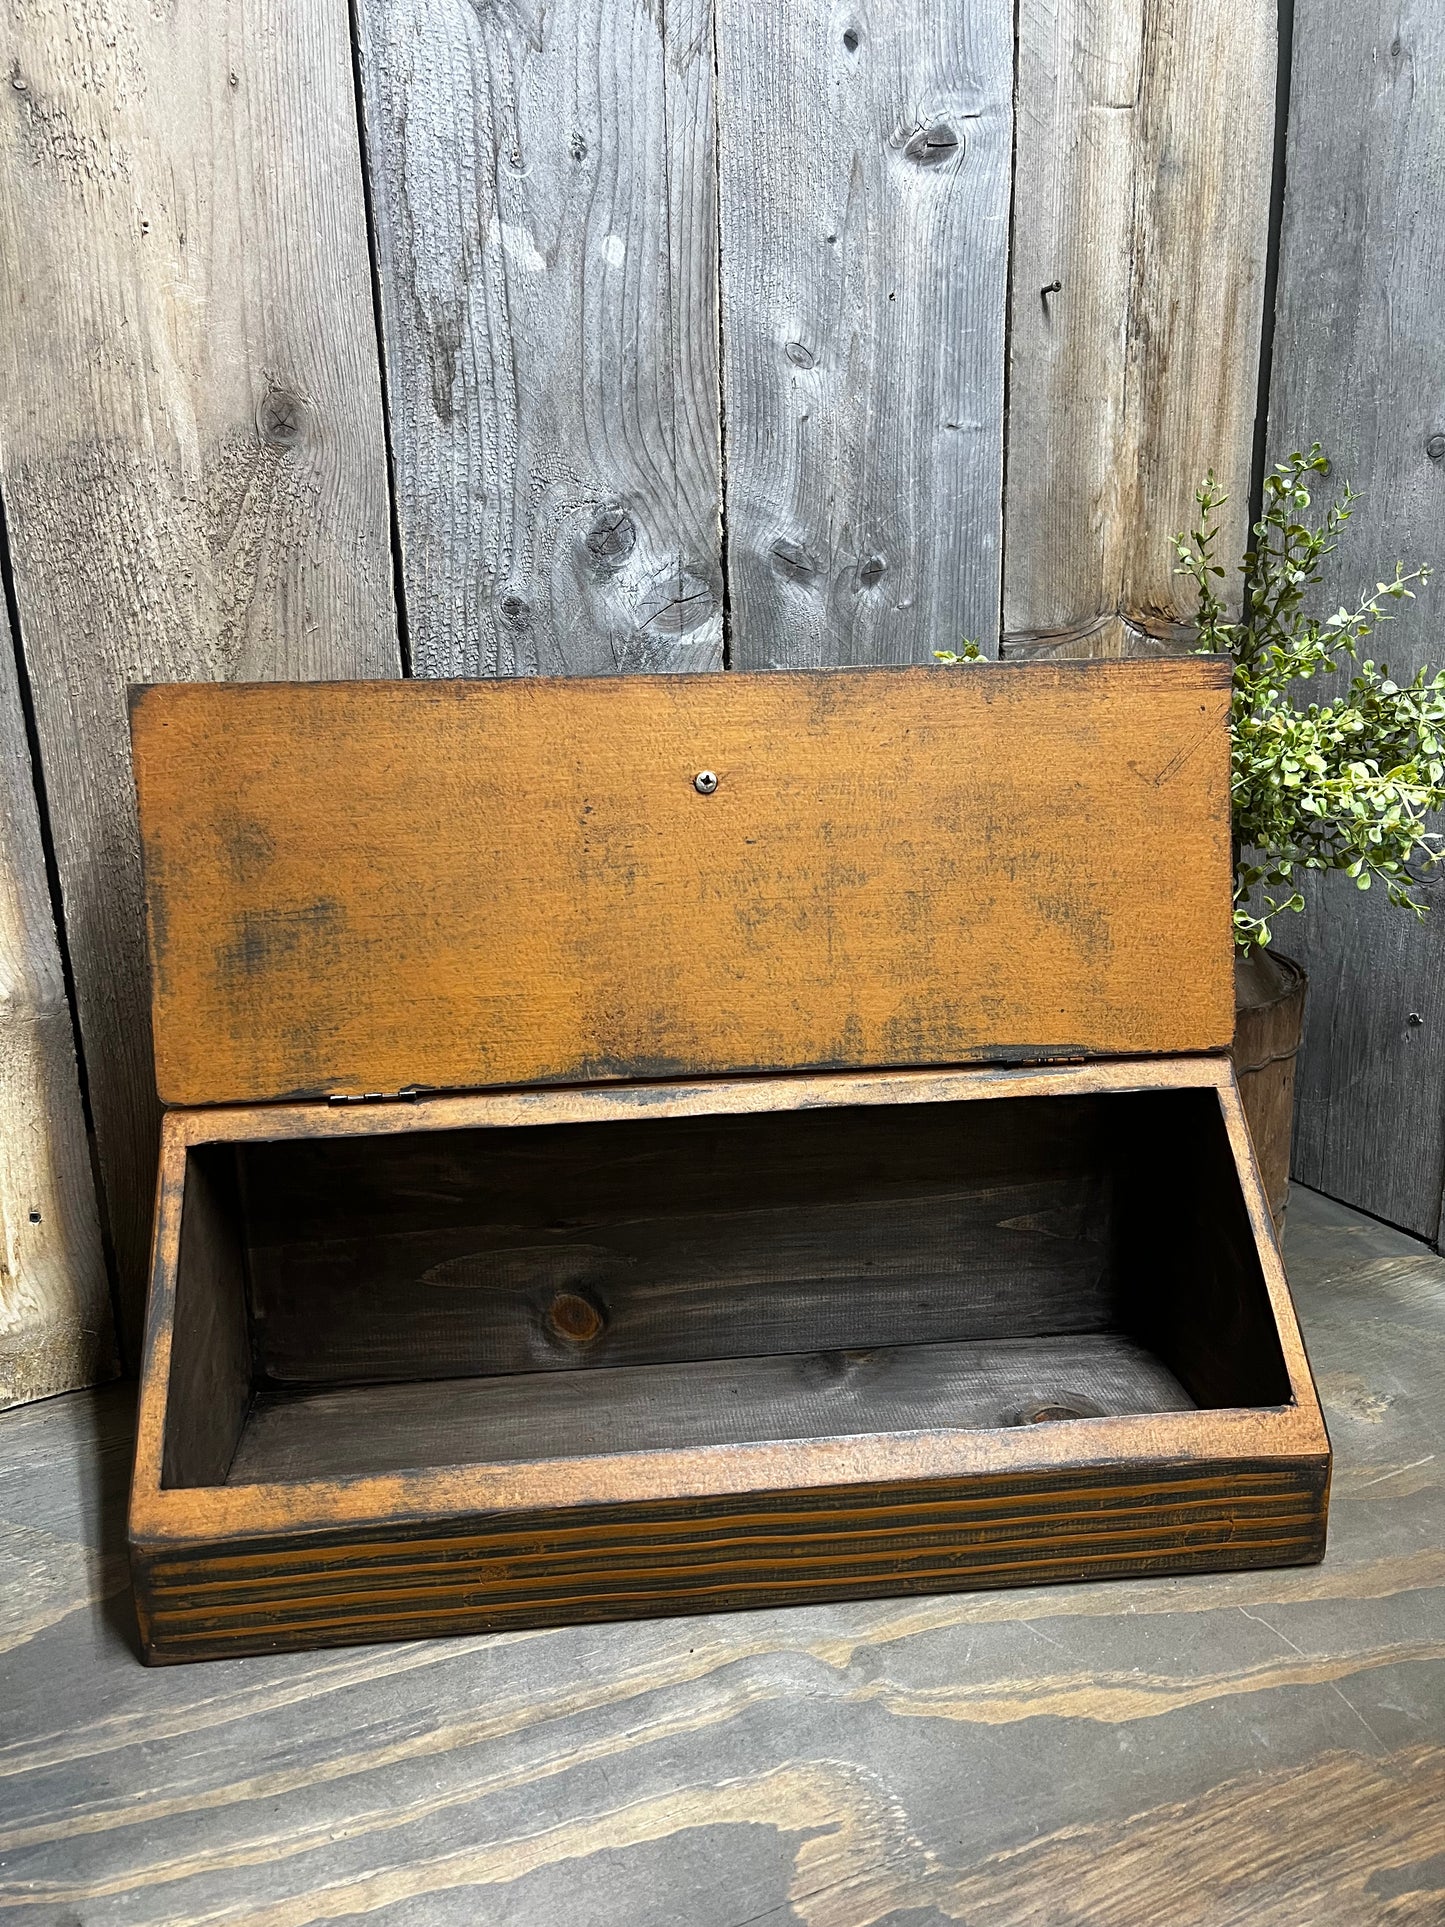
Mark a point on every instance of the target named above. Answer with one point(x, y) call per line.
point(576, 1318)
point(676, 601)
point(612, 536)
point(871, 571)
point(281, 418)
point(1435, 448)
point(850, 39)
point(800, 356)
point(793, 561)
point(1052, 1408)
point(516, 610)
point(932, 146)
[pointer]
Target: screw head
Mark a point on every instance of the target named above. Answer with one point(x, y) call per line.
point(705, 782)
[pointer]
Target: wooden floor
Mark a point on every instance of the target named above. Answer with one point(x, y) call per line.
point(1257, 1750)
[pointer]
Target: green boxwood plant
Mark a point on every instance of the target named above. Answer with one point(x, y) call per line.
point(1347, 783)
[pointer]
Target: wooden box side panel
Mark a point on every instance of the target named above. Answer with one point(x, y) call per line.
point(367, 887)
point(1197, 1287)
point(479, 1574)
point(210, 1341)
point(441, 1255)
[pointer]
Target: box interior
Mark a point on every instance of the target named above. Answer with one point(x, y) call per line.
point(358, 1305)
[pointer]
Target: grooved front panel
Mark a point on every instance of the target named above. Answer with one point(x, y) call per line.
point(364, 887)
point(612, 1562)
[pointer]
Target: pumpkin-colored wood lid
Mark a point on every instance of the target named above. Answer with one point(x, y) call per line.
point(366, 887)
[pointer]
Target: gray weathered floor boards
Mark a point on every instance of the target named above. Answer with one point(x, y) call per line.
point(1260, 1749)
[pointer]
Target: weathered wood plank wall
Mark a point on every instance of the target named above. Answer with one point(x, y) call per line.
point(545, 195)
point(1141, 217)
point(55, 1317)
point(574, 209)
point(864, 161)
point(1357, 364)
point(190, 419)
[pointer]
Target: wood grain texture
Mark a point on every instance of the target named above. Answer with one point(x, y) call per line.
point(370, 1429)
point(460, 1576)
point(1087, 1756)
point(251, 1124)
point(1142, 174)
point(569, 1247)
point(436, 1255)
point(864, 191)
point(194, 464)
point(209, 1391)
point(1356, 366)
point(367, 887)
point(544, 189)
point(55, 1315)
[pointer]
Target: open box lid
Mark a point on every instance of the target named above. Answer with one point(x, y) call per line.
point(368, 888)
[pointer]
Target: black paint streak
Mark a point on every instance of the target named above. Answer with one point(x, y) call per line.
point(266, 937)
point(249, 846)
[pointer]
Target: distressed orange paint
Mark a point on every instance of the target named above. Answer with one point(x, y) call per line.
point(370, 886)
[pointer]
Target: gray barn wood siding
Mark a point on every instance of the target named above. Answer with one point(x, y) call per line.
point(864, 163)
point(55, 1313)
point(544, 183)
point(190, 431)
point(1141, 216)
point(1359, 362)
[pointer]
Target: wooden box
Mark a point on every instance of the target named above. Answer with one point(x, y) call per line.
point(589, 1189)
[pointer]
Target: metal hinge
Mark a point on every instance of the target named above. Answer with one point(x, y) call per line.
point(408, 1094)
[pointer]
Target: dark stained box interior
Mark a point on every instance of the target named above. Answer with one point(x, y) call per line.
point(363, 1305)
